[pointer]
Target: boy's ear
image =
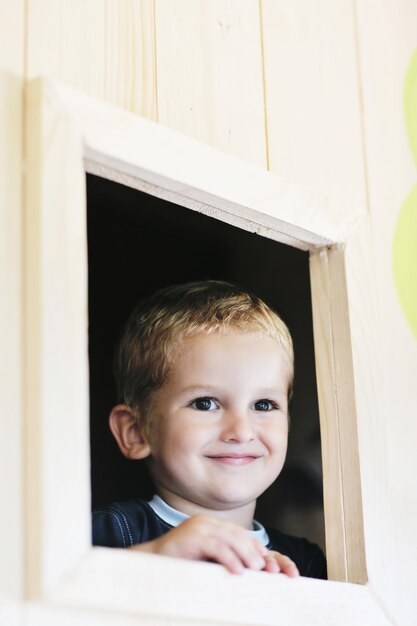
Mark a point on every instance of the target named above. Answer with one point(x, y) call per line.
point(128, 431)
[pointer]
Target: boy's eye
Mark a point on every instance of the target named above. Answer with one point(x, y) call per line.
point(264, 405)
point(204, 404)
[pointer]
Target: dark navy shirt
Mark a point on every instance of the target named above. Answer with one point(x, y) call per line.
point(125, 524)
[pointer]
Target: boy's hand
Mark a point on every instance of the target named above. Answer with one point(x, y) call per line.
point(206, 538)
point(276, 562)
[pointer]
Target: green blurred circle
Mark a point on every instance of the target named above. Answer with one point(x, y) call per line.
point(404, 251)
point(405, 259)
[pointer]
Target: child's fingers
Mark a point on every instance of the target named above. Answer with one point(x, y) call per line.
point(250, 553)
point(271, 565)
point(245, 549)
point(225, 543)
point(248, 549)
point(288, 567)
point(276, 562)
point(221, 553)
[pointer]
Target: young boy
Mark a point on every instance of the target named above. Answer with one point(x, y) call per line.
point(204, 373)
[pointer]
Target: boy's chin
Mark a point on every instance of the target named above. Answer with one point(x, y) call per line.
point(239, 493)
point(226, 501)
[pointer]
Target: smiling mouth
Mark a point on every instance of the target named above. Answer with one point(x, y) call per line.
point(234, 459)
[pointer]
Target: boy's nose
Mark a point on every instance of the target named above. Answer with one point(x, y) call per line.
point(237, 428)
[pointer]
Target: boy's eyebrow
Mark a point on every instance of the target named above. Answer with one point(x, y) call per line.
point(262, 391)
point(201, 387)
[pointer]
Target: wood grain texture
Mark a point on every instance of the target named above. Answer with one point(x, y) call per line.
point(209, 57)
point(387, 38)
point(164, 158)
point(56, 355)
point(347, 416)
point(102, 47)
point(334, 505)
point(176, 587)
point(312, 95)
point(210, 81)
point(46, 614)
point(11, 381)
point(64, 570)
point(345, 546)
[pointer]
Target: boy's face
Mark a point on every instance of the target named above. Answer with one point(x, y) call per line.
point(218, 433)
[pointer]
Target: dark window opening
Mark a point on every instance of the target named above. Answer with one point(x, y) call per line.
point(138, 243)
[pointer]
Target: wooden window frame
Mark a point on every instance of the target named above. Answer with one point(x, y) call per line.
point(68, 134)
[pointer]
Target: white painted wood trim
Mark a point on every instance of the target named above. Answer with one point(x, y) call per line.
point(55, 338)
point(345, 547)
point(207, 592)
point(203, 177)
point(65, 131)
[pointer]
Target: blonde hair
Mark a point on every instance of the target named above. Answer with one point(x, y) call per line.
point(158, 325)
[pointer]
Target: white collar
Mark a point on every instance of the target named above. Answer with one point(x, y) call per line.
point(173, 517)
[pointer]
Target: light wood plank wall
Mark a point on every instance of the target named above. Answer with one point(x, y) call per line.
point(314, 92)
point(387, 37)
point(312, 95)
point(102, 47)
point(11, 457)
point(210, 76)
